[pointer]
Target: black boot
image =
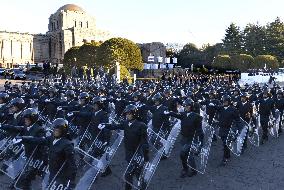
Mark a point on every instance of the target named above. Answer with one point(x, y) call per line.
point(224, 162)
point(107, 172)
point(184, 173)
point(263, 140)
point(192, 173)
point(214, 138)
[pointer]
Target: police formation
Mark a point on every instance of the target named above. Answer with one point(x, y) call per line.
point(62, 137)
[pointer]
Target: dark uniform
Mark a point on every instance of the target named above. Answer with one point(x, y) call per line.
point(266, 107)
point(227, 115)
point(191, 126)
point(135, 136)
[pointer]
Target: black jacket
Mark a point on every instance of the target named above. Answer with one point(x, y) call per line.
point(191, 123)
point(245, 110)
point(135, 134)
point(266, 107)
point(59, 153)
point(159, 119)
point(227, 116)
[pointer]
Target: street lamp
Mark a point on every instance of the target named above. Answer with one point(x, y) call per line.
point(174, 61)
point(167, 61)
point(160, 60)
point(151, 60)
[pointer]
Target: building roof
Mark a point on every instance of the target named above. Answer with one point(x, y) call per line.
point(70, 7)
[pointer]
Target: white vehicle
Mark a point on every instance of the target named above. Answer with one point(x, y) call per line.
point(281, 70)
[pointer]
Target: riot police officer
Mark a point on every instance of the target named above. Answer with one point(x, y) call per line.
point(61, 154)
point(191, 127)
point(135, 136)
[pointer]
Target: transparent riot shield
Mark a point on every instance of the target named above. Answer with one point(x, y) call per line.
point(282, 121)
point(170, 141)
point(155, 140)
point(12, 158)
point(274, 124)
point(139, 172)
point(4, 138)
point(253, 131)
point(74, 132)
point(86, 140)
point(167, 137)
point(84, 179)
point(204, 119)
point(58, 181)
point(204, 114)
point(163, 132)
point(112, 114)
point(103, 149)
point(200, 149)
point(47, 125)
point(149, 125)
point(236, 137)
point(35, 170)
point(216, 127)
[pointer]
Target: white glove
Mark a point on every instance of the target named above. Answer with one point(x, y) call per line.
point(47, 100)
point(60, 108)
point(32, 101)
point(112, 105)
point(101, 126)
point(166, 112)
point(103, 99)
point(211, 104)
point(70, 114)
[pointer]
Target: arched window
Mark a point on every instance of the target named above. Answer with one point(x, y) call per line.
point(87, 24)
point(75, 23)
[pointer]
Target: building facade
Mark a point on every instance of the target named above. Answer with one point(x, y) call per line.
point(69, 26)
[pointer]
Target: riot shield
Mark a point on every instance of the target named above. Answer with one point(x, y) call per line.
point(139, 172)
point(4, 137)
point(155, 140)
point(35, 169)
point(12, 158)
point(274, 124)
point(103, 149)
point(169, 144)
point(216, 127)
point(86, 140)
point(165, 137)
point(204, 120)
point(85, 178)
point(253, 131)
point(236, 137)
point(204, 114)
point(282, 121)
point(57, 181)
point(149, 125)
point(74, 132)
point(200, 149)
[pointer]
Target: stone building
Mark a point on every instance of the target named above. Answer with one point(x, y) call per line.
point(156, 49)
point(69, 26)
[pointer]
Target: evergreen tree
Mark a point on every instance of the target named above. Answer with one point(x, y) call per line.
point(232, 43)
point(254, 38)
point(275, 38)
